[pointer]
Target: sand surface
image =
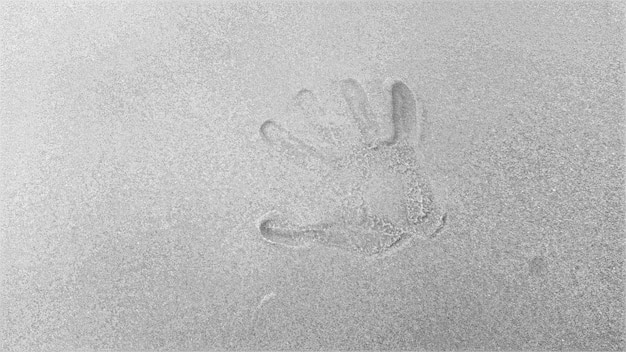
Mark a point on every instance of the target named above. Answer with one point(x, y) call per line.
point(134, 176)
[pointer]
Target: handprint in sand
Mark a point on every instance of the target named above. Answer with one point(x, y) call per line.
point(372, 195)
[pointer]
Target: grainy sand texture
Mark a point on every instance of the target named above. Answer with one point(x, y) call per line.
point(312, 176)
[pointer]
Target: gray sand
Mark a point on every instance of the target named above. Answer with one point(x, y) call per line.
point(134, 175)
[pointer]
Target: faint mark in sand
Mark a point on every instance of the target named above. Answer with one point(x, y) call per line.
point(255, 314)
point(265, 298)
point(538, 266)
point(442, 224)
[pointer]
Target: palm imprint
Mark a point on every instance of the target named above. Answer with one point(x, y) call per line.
point(376, 197)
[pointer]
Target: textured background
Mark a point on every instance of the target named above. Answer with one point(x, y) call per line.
point(133, 171)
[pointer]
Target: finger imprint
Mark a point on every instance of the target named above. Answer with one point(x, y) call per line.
point(307, 102)
point(309, 109)
point(281, 232)
point(356, 98)
point(404, 115)
point(286, 142)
